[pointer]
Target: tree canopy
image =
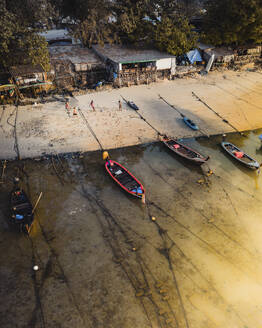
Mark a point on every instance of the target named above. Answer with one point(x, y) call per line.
point(174, 37)
point(160, 23)
point(130, 21)
point(19, 41)
point(233, 22)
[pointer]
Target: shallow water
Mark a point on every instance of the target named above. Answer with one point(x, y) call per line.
point(105, 263)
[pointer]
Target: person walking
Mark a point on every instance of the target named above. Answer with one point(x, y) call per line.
point(120, 105)
point(92, 105)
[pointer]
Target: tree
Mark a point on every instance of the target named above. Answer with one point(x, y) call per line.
point(91, 20)
point(233, 22)
point(19, 41)
point(134, 19)
point(31, 12)
point(174, 36)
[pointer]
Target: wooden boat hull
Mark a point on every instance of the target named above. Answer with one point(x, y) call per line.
point(184, 151)
point(125, 179)
point(132, 105)
point(246, 159)
point(190, 123)
point(21, 209)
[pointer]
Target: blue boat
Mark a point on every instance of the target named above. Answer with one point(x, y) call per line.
point(190, 123)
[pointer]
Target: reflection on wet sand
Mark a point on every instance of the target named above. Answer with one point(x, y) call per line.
point(191, 257)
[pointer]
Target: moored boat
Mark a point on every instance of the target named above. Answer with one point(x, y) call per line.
point(21, 209)
point(184, 151)
point(190, 123)
point(240, 155)
point(132, 105)
point(125, 179)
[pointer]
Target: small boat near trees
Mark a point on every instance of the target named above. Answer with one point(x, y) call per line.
point(190, 123)
point(125, 179)
point(22, 215)
point(132, 105)
point(184, 151)
point(240, 155)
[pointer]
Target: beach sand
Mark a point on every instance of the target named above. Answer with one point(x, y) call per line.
point(48, 128)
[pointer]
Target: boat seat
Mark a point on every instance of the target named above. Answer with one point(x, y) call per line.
point(123, 176)
point(131, 185)
point(125, 180)
point(23, 206)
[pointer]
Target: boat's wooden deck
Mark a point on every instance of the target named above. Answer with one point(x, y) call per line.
point(183, 150)
point(123, 177)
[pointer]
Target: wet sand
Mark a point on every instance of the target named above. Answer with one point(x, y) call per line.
point(49, 129)
point(104, 262)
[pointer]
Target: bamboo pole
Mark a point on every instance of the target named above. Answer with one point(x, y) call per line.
point(38, 199)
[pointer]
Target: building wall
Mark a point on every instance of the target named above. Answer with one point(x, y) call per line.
point(163, 63)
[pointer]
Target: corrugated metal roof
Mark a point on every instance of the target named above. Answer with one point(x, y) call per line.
point(75, 54)
point(25, 70)
point(124, 55)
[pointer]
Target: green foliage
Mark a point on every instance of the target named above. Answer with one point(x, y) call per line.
point(130, 19)
point(233, 22)
point(19, 42)
point(91, 19)
point(30, 12)
point(174, 36)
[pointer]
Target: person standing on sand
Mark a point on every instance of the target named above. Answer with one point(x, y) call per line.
point(74, 111)
point(67, 105)
point(120, 105)
point(92, 105)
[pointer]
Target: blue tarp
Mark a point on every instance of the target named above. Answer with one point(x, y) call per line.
point(194, 56)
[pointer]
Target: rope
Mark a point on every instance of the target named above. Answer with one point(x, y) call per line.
point(143, 118)
point(90, 129)
point(15, 136)
point(223, 119)
point(182, 115)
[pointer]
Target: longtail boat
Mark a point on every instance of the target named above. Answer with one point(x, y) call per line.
point(184, 151)
point(125, 179)
point(240, 155)
point(21, 209)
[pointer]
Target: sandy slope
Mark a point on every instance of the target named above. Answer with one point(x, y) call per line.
point(45, 129)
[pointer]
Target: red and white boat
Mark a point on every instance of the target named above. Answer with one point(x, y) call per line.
point(125, 179)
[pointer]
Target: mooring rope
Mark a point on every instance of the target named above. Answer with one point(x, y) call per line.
point(223, 119)
point(144, 119)
point(182, 115)
point(90, 129)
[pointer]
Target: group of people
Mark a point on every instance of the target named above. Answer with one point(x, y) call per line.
point(67, 107)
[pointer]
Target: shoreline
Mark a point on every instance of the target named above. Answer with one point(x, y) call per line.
point(81, 154)
point(48, 129)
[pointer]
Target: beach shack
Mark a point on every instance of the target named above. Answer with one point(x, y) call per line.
point(76, 66)
point(30, 79)
point(7, 89)
point(127, 66)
